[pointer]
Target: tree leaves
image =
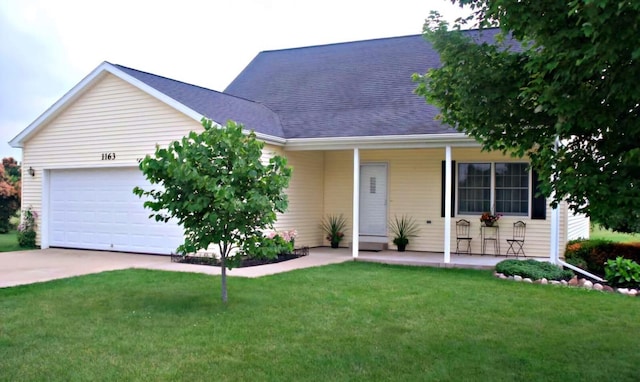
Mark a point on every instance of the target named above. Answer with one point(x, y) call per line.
point(568, 78)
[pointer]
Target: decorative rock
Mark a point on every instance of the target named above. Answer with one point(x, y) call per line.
point(623, 290)
point(544, 281)
point(632, 292)
point(527, 280)
point(503, 277)
point(607, 288)
point(587, 284)
point(496, 274)
point(510, 277)
point(581, 282)
point(539, 281)
point(573, 281)
point(517, 278)
point(564, 282)
point(556, 282)
point(597, 286)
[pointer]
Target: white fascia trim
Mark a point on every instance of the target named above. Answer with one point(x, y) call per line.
point(271, 139)
point(82, 86)
point(382, 142)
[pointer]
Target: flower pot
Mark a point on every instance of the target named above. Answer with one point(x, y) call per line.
point(488, 223)
point(335, 244)
point(402, 247)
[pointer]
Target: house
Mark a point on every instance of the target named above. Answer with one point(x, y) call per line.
point(360, 143)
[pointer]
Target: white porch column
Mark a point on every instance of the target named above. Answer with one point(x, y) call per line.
point(447, 206)
point(355, 229)
point(554, 256)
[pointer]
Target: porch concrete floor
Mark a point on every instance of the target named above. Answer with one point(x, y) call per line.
point(426, 259)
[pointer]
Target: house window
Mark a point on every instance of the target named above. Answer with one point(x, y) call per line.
point(512, 188)
point(502, 185)
point(474, 187)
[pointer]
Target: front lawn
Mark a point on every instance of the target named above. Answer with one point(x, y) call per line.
point(352, 321)
point(9, 242)
point(599, 233)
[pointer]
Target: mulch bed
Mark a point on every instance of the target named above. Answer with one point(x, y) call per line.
point(245, 262)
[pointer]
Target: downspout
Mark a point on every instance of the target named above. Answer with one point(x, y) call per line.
point(554, 255)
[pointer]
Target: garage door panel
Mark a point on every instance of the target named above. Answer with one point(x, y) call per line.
point(96, 209)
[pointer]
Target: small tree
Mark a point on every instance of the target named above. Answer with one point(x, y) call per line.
point(215, 184)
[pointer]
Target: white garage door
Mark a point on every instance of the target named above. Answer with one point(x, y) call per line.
point(96, 209)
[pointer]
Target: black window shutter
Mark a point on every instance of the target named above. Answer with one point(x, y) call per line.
point(538, 203)
point(453, 188)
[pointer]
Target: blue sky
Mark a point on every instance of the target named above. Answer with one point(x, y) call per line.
point(47, 47)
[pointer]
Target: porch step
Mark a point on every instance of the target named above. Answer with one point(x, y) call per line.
point(372, 246)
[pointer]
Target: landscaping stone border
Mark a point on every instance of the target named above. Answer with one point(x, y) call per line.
point(574, 282)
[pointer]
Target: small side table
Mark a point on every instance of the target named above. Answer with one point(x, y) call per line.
point(490, 234)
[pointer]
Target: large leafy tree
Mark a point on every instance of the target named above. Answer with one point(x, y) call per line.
point(218, 188)
point(559, 85)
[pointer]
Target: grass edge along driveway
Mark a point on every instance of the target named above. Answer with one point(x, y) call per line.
point(351, 321)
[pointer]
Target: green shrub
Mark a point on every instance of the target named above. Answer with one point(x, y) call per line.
point(27, 239)
point(622, 272)
point(592, 255)
point(533, 269)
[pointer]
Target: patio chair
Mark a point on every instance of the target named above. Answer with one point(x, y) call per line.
point(516, 243)
point(462, 236)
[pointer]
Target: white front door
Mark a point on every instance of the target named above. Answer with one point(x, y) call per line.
point(373, 199)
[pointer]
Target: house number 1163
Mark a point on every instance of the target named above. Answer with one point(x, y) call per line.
point(108, 156)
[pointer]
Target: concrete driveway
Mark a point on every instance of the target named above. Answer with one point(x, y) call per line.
point(27, 267)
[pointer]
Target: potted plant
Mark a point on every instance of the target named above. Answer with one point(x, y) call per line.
point(489, 219)
point(334, 227)
point(402, 229)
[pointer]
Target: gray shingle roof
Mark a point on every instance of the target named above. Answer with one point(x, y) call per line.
point(214, 105)
point(360, 88)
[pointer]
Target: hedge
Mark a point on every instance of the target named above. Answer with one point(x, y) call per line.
point(591, 255)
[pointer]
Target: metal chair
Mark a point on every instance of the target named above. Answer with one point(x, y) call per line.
point(516, 244)
point(462, 235)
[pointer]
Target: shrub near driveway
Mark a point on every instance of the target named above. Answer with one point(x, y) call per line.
point(352, 321)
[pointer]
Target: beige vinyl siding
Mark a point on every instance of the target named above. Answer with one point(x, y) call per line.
point(338, 188)
point(110, 117)
point(305, 197)
point(414, 189)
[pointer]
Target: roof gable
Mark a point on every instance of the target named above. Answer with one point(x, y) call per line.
point(195, 102)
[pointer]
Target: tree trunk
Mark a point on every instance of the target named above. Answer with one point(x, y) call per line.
point(223, 264)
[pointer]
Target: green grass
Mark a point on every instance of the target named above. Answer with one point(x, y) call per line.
point(598, 232)
point(352, 321)
point(9, 242)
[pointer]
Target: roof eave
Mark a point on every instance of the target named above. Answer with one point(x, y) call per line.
point(382, 142)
